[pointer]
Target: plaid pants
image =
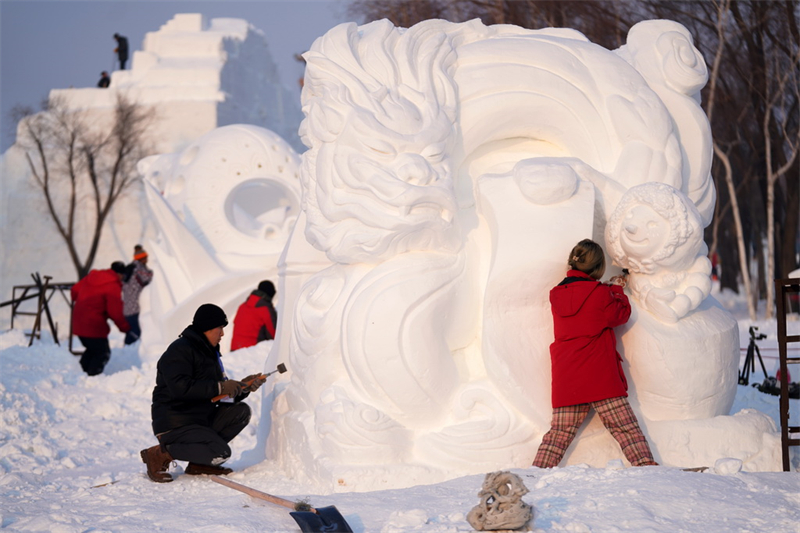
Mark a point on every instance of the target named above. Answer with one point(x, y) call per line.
point(617, 416)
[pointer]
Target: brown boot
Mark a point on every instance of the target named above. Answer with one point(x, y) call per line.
point(194, 469)
point(157, 461)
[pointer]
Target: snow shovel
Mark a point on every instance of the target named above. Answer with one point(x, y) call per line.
point(310, 519)
point(281, 369)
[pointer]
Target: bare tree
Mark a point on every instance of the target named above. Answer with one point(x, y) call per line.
point(787, 87)
point(83, 163)
point(721, 8)
point(403, 13)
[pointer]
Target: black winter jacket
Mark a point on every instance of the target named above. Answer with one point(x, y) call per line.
point(188, 377)
point(122, 48)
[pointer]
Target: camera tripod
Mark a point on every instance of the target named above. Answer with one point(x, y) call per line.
point(749, 360)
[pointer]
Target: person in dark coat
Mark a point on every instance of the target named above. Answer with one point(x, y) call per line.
point(256, 318)
point(137, 277)
point(188, 423)
point(95, 299)
point(105, 80)
point(121, 49)
point(587, 370)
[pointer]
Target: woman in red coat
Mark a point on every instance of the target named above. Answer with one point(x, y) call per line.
point(587, 370)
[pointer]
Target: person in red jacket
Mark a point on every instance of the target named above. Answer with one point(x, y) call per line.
point(256, 318)
point(587, 370)
point(95, 299)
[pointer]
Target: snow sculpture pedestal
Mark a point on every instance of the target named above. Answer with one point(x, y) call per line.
point(451, 168)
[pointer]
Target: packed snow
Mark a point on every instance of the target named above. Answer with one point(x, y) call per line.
point(69, 453)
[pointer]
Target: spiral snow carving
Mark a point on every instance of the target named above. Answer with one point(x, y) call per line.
point(663, 52)
point(451, 168)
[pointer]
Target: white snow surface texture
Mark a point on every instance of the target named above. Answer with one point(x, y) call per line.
point(69, 462)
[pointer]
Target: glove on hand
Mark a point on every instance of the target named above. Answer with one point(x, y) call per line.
point(622, 281)
point(257, 381)
point(231, 388)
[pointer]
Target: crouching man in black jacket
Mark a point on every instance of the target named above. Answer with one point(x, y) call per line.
point(190, 426)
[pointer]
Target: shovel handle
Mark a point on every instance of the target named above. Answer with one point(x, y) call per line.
point(247, 383)
point(255, 493)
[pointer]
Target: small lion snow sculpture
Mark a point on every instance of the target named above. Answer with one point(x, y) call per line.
point(656, 233)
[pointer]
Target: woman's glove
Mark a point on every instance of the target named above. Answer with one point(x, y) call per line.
point(231, 388)
point(255, 380)
point(622, 281)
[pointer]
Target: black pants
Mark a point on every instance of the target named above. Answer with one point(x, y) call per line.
point(96, 356)
point(208, 445)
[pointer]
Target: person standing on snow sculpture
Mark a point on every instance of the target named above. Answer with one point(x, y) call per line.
point(121, 49)
point(137, 277)
point(188, 424)
point(256, 318)
point(95, 299)
point(587, 370)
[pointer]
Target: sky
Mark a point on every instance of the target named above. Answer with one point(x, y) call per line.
point(58, 44)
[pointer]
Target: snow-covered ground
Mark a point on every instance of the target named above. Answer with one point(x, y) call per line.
point(69, 462)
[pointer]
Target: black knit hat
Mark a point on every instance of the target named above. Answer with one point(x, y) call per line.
point(267, 288)
point(208, 317)
point(118, 267)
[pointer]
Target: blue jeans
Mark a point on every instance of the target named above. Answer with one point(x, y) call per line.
point(135, 331)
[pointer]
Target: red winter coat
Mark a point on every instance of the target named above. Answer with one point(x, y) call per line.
point(585, 362)
point(96, 298)
point(254, 322)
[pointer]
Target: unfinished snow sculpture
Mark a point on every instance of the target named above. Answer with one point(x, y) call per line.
point(224, 208)
point(451, 168)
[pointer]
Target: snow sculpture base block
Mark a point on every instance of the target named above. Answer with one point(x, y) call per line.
point(749, 436)
point(687, 370)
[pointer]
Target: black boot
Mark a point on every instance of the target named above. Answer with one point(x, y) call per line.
point(194, 469)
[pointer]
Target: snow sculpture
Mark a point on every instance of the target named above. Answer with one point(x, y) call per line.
point(224, 208)
point(451, 168)
point(655, 233)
